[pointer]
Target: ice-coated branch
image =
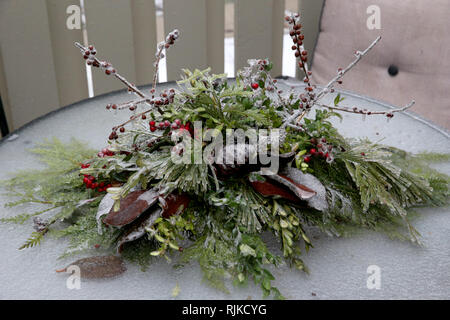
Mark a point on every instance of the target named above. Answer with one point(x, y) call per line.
point(163, 45)
point(342, 72)
point(89, 55)
point(389, 113)
point(297, 38)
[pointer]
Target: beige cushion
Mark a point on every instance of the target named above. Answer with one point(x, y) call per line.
point(415, 38)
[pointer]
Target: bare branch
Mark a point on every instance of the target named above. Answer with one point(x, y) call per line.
point(327, 88)
point(297, 37)
point(169, 41)
point(98, 63)
point(341, 73)
point(368, 112)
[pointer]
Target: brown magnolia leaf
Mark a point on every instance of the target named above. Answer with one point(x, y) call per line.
point(284, 187)
point(268, 188)
point(98, 267)
point(175, 204)
point(300, 190)
point(138, 230)
point(131, 207)
point(319, 201)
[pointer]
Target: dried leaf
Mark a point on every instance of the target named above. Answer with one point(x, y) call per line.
point(138, 231)
point(176, 290)
point(175, 204)
point(131, 207)
point(99, 267)
point(103, 208)
point(268, 188)
point(319, 201)
point(301, 191)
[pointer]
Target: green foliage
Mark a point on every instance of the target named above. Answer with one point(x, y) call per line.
point(338, 99)
point(82, 232)
point(34, 240)
point(57, 188)
point(289, 229)
point(167, 231)
point(213, 249)
point(139, 252)
point(248, 209)
point(315, 128)
point(253, 255)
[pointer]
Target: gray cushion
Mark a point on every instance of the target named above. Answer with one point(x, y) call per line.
point(415, 39)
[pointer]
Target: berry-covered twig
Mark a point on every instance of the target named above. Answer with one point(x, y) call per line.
point(342, 72)
point(154, 103)
point(166, 97)
point(389, 113)
point(163, 45)
point(297, 39)
point(312, 98)
point(89, 55)
point(301, 113)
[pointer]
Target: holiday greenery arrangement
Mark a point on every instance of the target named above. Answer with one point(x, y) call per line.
point(167, 186)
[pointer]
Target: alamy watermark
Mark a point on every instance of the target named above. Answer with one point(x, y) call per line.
point(74, 280)
point(73, 21)
point(374, 278)
point(374, 19)
point(251, 146)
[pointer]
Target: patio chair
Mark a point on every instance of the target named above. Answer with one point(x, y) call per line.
point(412, 60)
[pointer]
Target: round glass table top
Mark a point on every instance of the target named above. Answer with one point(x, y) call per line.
point(340, 268)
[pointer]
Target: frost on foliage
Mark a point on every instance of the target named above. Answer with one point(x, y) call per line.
point(132, 207)
point(319, 201)
point(104, 208)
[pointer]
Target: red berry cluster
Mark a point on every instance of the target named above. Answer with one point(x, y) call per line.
point(262, 63)
point(113, 135)
point(85, 165)
point(297, 38)
point(105, 152)
point(256, 74)
point(176, 124)
point(89, 56)
point(158, 126)
point(165, 97)
point(320, 149)
point(90, 182)
point(169, 41)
